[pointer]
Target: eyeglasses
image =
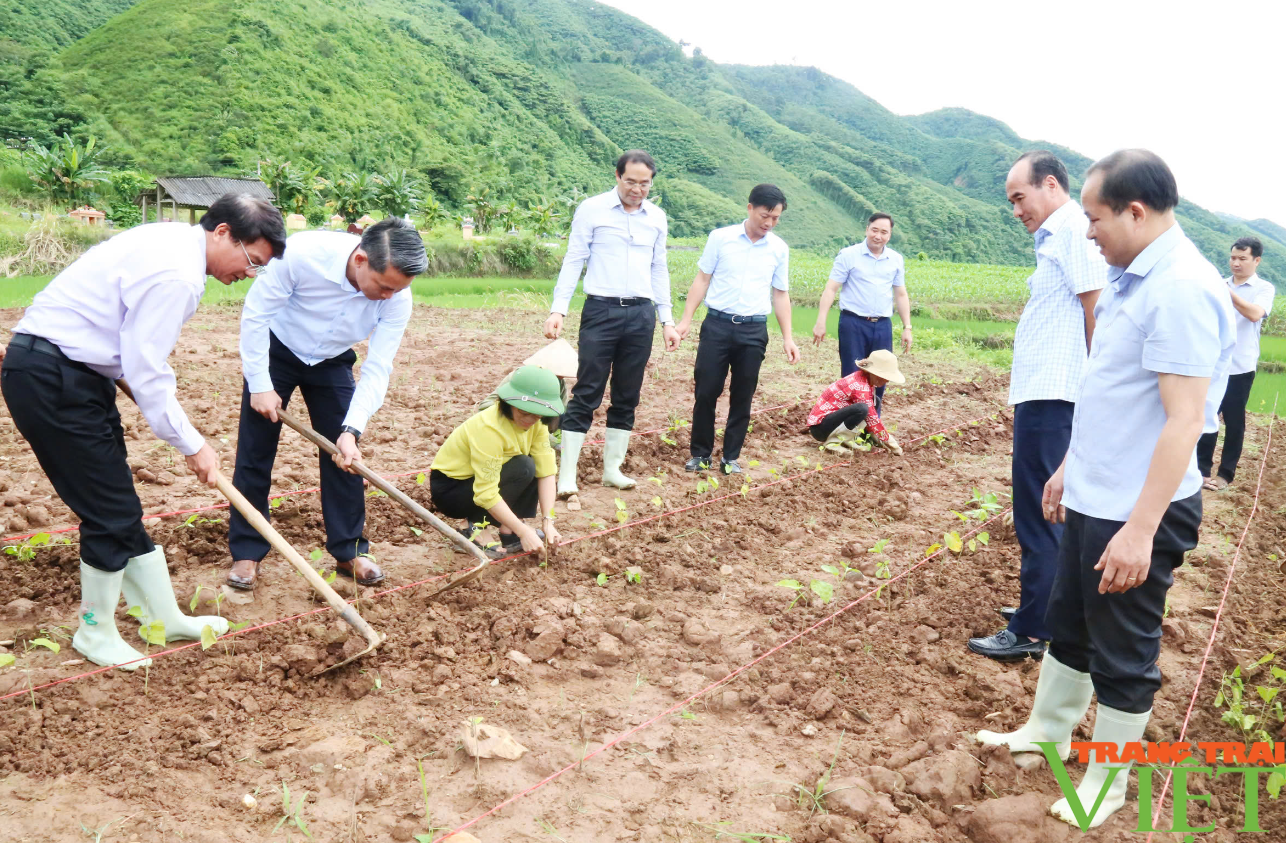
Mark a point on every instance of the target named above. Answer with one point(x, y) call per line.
point(252, 269)
point(642, 185)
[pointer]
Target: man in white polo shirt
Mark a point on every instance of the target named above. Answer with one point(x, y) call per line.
point(743, 274)
point(1129, 490)
point(1050, 348)
point(1252, 298)
point(870, 279)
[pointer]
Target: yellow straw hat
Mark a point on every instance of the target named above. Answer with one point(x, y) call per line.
point(558, 357)
point(882, 364)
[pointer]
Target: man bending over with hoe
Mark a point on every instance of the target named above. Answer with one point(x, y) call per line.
point(117, 312)
point(300, 322)
point(847, 407)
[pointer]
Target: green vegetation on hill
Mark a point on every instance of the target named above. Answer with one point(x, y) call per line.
point(527, 101)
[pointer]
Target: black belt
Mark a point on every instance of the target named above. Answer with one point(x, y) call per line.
point(622, 301)
point(868, 318)
point(40, 345)
point(732, 317)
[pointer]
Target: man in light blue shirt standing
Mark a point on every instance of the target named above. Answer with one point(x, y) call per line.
point(300, 321)
point(622, 237)
point(1049, 361)
point(870, 279)
point(743, 274)
point(1129, 490)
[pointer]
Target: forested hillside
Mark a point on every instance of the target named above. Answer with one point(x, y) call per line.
point(522, 101)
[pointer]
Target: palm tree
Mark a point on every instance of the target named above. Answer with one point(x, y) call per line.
point(354, 194)
point(69, 171)
point(399, 193)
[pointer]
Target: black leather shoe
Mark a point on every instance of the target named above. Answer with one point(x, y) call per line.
point(729, 467)
point(1007, 613)
point(1004, 646)
point(697, 464)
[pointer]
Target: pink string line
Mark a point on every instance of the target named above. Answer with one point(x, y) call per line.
point(406, 586)
point(1214, 629)
point(714, 685)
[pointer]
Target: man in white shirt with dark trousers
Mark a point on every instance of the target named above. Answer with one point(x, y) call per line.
point(621, 236)
point(299, 324)
point(116, 313)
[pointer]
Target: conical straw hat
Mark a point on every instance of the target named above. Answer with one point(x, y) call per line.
point(558, 357)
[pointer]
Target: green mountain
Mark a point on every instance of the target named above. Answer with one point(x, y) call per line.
point(1262, 227)
point(525, 99)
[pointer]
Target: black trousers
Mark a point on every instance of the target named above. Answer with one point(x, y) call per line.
point(1116, 638)
point(67, 413)
point(518, 488)
point(1042, 433)
point(1233, 410)
point(858, 337)
point(615, 342)
point(327, 389)
point(850, 416)
point(726, 347)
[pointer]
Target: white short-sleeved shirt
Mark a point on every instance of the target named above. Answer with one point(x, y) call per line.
point(1167, 313)
point(868, 280)
point(1257, 291)
point(744, 273)
point(1049, 344)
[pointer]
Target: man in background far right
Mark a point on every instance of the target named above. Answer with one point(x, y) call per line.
point(1252, 298)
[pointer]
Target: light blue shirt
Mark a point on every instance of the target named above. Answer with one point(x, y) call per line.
point(1049, 345)
point(625, 252)
point(1167, 313)
point(744, 273)
point(307, 301)
point(867, 280)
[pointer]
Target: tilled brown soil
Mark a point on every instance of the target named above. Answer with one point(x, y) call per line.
point(885, 696)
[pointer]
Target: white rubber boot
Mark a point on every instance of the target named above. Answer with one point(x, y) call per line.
point(97, 638)
point(838, 440)
point(147, 585)
point(616, 443)
point(567, 461)
point(1062, 698)
point(853, 441)
point(1110, 726)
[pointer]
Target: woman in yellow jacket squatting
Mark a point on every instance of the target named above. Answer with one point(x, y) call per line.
point(498, 467)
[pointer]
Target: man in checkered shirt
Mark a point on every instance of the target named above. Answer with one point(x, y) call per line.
point(1050, 349)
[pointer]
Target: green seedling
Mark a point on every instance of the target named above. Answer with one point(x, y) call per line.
point(714, 482)
point(687, 715)
point(602, 578)
point(420, 478)
point(753, 464)
point(667, 440)
point(195, 519)
point(432, 829)
point(416, 530)
point(376, 493)
point(634, 575)
point(292, 813)
point(821, 588)
point(657, 502)
point(548, 828)
point(814, 798)
point(52, 646)
point(702, 487)
point(952, 541)
point(745, 490)
point(879, 546)
point(622, 514)
point(7, 659)
point(97, 833)
point(315, 554)
point(26, 551)
point(275, 503)
point(658, 479)
point(1255, 719)
point(721, 832)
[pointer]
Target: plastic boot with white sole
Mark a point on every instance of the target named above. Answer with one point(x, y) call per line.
point(1062, 698)
point(616, 443)
point(838, 440)
point(1114, 727)
point(97, 638)
point(147, 585)
point(567, 460)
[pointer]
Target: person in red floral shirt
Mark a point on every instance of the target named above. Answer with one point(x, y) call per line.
point(847, 407)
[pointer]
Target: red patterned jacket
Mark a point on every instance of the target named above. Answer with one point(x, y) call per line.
point(847, 391)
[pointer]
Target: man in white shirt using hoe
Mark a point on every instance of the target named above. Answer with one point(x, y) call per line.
point(1128, 491)
point(621, 236)
point(870, 280)
point(742, 275)
point(301, 319)
point(116, 313)
point(1252, 298)
point(1050, 348)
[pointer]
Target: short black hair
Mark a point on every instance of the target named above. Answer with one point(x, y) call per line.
point(507, 410)
point(634, 156)
point(393, 240)
point(1135, 175)
point(880, 215)
point(767, 196)
point(1252, 243)
point(249, 219)
point(1044, 164)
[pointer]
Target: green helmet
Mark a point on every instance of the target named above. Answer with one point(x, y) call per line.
point(533, 390)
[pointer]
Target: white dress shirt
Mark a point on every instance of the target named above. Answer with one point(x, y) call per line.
point(310, 305)
point(743, 273)
point(1049, 344)
point(119, 309)
point(1167, 313)
point(1245, 358)
point(867, 280)
point(625, 251)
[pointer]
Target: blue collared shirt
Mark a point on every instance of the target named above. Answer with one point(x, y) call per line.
point(310, 305)
point(744, 273)
point(625, 252)
point(1167, 313)
point(1049, 345)
point(867, 280)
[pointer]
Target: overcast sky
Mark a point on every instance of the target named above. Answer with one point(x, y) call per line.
point(1204, 87)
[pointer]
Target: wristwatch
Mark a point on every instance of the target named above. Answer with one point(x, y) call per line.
point(357, 434)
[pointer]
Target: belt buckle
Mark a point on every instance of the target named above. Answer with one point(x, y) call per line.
point(738, 320)
point(620, 300)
